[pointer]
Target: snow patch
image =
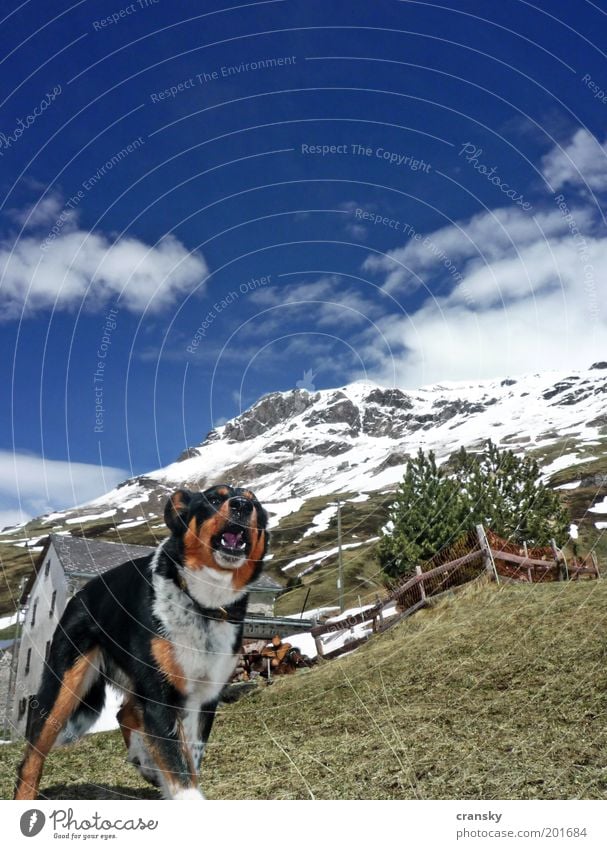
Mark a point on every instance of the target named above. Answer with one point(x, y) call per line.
point(600, 507)
point(7, 621)
point(321, 521)
point(319, 556)
point(77, 520)
point(572, 485)
point(563, 462)
point(131, 523)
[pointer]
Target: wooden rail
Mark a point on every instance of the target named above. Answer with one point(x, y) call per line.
point(423, 587)
point(348, 622)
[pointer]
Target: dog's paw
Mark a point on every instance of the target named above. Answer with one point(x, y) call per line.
point(190, 793)
point(139, 757)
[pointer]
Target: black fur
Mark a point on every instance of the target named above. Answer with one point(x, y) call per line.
point(113, 618)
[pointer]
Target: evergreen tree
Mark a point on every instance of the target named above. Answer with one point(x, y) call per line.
point(506, 493)
point(435, 505)
point(427, 515)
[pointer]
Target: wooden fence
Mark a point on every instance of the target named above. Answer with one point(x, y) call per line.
point(490, 554)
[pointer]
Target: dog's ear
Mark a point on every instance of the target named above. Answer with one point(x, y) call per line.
point(262, 526)
point(176, 509)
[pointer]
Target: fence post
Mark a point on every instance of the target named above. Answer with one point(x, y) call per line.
point(422, 589)
point(560, 559)
point(487, 553)
point(320, 649)
point(595, 564)
point(526, 550)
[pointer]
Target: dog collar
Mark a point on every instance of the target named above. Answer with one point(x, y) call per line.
point(220, 614)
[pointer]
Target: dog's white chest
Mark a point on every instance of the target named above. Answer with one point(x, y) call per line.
point(202, 646)
point(205, 655)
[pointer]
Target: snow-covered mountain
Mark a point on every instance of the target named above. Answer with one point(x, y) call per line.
point(290, 446)
point(297, 448)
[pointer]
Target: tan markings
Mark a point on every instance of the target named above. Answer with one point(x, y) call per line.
point(171, 781)
point(197, 544)
point(70, 693)
point(242, 576)
point(199, 550)
point(164, 655)
point(177, 504)
point(248, 494)
point(177, 501)
point(185, 749)
point(223, 491)
point(129, 719)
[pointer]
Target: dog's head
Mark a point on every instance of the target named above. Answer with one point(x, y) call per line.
point(222, 528)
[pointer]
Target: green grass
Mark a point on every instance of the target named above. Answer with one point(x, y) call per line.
point(8, 633)
point(15, 565)
point(500, 692)
point(362, 576)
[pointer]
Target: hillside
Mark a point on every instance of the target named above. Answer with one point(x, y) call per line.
point(301, 449)
point(499, 692)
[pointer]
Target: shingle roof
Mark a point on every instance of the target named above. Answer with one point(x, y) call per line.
point(81, 556)
point(264, 582)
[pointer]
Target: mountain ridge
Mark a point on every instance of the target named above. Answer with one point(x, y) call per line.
point(302, 448)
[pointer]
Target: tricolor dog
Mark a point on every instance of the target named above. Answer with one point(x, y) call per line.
point(166, 630)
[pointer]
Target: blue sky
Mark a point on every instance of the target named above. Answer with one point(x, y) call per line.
point(201, 207)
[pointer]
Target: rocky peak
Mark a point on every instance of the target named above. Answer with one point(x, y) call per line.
point(390, 398)
point(339, 411)
point(271, 410)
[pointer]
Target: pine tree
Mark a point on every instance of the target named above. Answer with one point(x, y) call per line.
point(506, 494)
point(435, 505)
point(426, 516)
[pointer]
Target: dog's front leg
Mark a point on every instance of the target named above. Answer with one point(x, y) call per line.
point(166, 743)
point(197, 724)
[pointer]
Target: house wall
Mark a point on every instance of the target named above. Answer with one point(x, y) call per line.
point(262, 602)
point(36, 636)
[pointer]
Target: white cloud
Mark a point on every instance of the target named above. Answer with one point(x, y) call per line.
point(32, 485)
point(44, 213)
point(8, 518)
point(529, 297)
point(450, 341)
point(582, 162)
point(41, 269)
point(451, 251)
point(327, 302)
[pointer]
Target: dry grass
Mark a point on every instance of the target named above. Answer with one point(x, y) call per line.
point(497, 693)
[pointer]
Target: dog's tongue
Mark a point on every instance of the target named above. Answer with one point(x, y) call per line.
point(232, 540)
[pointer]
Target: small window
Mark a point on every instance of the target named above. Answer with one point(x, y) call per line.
point(28, 661)
point(47, 650)
point(47, 568)
point(35, 607)
point(22, 707)
point(53, 600)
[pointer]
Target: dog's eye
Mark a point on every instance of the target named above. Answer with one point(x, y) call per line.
point(214, 500)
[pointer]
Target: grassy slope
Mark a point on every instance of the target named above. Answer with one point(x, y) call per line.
point(498, 693)
point(359, 521)
point(577, 501)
